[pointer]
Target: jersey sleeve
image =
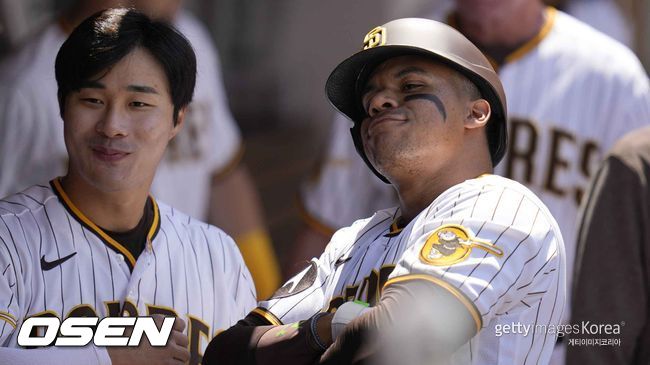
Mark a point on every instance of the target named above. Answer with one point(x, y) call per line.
point(9, 295)
point(299, 298)
point(306, 293)
point(242, 286)
point(496, 249)
point(342, 177)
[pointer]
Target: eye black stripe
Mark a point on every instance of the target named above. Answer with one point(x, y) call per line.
point(432, 98)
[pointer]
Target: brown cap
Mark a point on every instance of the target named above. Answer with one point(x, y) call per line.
point(428, 38)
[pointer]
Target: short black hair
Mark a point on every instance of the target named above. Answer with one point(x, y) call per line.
point(106, 37)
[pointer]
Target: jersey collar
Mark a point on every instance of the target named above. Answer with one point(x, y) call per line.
point(86, 222)
point(397, 225)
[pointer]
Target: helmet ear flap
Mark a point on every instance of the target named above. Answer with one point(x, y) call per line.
point(355, 131)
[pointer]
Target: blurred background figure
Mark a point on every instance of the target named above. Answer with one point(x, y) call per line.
point(572, 92)
point(611, 17)
point(201, 173)
point(613, 257)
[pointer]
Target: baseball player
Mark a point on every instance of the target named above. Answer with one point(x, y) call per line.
point(614, 247)
point(200, 173)
point(571, 93)
point(465, 253)
point(94, 243)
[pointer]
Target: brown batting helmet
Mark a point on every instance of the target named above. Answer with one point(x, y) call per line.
point(423, 37)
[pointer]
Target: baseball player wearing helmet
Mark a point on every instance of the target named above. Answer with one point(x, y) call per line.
point(465, 255)
point(93, 243)
point(571, 93)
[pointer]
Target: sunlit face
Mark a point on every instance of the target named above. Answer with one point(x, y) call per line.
point(415, 115)
point(117, 126)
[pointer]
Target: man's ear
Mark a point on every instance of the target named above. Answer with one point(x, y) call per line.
point(180, 120)
point(478, 114)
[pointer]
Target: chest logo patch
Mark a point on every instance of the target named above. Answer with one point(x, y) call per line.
point(452, 243)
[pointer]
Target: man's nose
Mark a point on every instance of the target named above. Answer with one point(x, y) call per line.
point(381, 101)
point(112, 124)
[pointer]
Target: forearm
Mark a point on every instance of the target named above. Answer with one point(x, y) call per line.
point(415, 322)
point(248, 344)
point(89, 355)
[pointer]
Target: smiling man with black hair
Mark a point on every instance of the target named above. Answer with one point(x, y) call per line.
point(94, 243)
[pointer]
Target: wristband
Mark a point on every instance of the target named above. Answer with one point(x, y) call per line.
point(314, 333)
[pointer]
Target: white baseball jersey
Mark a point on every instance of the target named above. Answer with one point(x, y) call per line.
point(489, 240)
point(32, 149)
point(56, 262)
point(571, 93)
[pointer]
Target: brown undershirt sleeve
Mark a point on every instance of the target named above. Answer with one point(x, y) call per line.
point(416, 322)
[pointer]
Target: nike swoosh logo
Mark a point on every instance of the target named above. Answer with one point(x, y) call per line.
point(49, 265)
point(342, 260)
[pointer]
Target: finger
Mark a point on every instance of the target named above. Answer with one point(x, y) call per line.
point(158, 319)
point(180, 339)
point(179, 324)
point(179, 353)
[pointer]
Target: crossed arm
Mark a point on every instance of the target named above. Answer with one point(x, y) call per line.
point(416, 318)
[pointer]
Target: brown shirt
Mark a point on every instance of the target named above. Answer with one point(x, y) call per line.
point(612, 275)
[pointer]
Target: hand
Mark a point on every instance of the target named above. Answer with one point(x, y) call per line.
point(175, 353)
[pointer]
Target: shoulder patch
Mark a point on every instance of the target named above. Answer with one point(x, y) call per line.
point(452, 243)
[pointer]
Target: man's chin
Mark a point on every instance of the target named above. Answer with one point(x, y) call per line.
point(109, 182)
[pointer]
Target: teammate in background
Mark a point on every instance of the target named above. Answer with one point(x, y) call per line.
point(613, 257)
point(201, 173)
point(464, 253)
point(94, 243)
point(571, 92)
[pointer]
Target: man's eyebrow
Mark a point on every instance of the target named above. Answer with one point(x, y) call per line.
point(91, 84)
point(411, 69)
point(142, 89)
